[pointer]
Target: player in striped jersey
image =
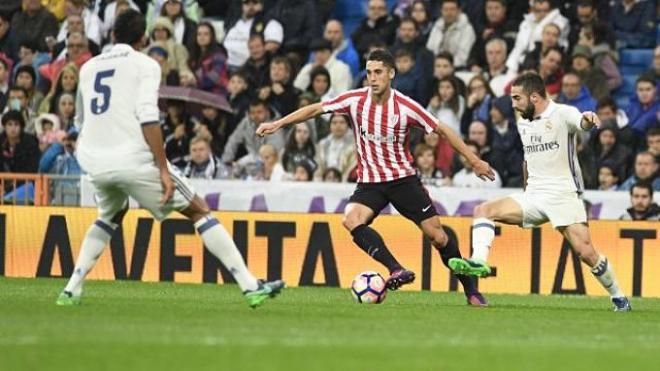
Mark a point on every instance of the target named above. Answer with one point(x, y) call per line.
point(381, 118)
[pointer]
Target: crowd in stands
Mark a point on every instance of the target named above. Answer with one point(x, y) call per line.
point(269, 57)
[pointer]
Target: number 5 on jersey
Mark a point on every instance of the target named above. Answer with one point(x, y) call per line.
point(102, 103)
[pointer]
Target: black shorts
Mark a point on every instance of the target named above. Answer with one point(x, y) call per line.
point(407, 195)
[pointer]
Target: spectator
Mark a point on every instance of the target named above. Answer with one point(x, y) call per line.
point(320, 85)
point(498, 26)
point(245, 135)
point(496, 72)
point(208, 61)
point(506, 142)
point(77, 52)
point(18, 101)
point(378, 26)
point(551, 72)
point(477, 107)
point(592, 76)
point(634, 23)
point(4, 82)
point(443, 66)
point(184, 28)
point(531, 29)
point(66, 82)
point(643, 207)
point(304, 170)
point(48, 130)
point(299, 146)
point(203, 164)
point(6, 41)
point(575, 93)
point(177, 54)
point(444, 153)
point(25, 78)
point(467, 178)
point(251, 22)
point(428, 173)
point(586, 15)
point(481, 134)
point(33, 23)
point(336, 150)
point(60, 159)
point(447, 105)
point(110, 13)
point(655, 68)
point(168, 76)
point(653, 143)
point(419, 11)
point(90, 22)
point(409, 80)
point(643, 108)
point(549, 39)
point(603, 55)
point(213, 125)
point(273, 169)
point(340, 73)
point(331, 175)
point(606, 148)
point(408, 38)
point(30, 56)
point(177, 132)
point(66, 110)
point(257, 66)
point(342, 48)
point(301, 24)
point(608, 177)
point(452, 33)
point(155, 9)
point(646, 170)
point(239, 97)
point(19, 151)
point(280, 92)
point(75, 23)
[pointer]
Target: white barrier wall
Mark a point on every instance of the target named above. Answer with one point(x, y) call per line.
point(314, 197)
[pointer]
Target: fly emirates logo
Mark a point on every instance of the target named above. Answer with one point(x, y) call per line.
point(538, 145)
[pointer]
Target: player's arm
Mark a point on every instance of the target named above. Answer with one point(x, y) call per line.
point(300, 115)
point(524, 174)
point(481, 168)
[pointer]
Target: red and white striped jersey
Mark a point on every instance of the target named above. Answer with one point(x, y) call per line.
point(381, 132)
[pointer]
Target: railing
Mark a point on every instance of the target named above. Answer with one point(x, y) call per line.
point(23, 189)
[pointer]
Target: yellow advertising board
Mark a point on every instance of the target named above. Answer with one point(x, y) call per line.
point(314, 249)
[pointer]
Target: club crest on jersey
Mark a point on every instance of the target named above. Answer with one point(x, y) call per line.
point(548, 125)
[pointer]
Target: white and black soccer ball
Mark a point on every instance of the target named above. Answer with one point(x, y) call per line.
point(369, 288)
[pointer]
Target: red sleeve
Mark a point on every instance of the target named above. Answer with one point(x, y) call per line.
point(342, 102)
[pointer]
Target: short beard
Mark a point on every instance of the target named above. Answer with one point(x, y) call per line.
point(528, 113)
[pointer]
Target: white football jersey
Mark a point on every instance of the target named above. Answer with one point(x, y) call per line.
point(549, 142)
point(117, 94)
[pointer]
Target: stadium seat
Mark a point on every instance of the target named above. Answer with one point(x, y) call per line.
point(657, 37)
point(636, 57)
point(630, 69)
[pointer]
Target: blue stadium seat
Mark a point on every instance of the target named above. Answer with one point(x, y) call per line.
point(632, 69)
point(636, 57)
point(628, 86)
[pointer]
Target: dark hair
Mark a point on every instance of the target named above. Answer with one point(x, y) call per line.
point(318, 71)
point(458, 4)
point(12, 115)
point(255, 35)
point(258, 102)
point(280, 59)
point(585, 3)
point(641, 184)
point(502, 2)
point(653, 132)
point(645, 78)
point(26, 69)
point(30, 44)
point(607, 102)
point(454, 102)
point(129, 27)
point(551, 49)
point(445, 55)
point(196, 53)
point(421, 148)
point(404, 52)
point(18, 88)
point(600, 30)
point(333, 170)
point(530, 83)
point(483, 80)
point(469, 142)
point(382, 56)
point(616, 172)
point(409, 20)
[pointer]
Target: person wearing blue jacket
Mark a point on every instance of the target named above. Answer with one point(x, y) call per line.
point(576, 94)
point(634, 23)
point(643, 108)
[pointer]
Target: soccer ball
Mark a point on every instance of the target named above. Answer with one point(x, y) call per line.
point(369, 288)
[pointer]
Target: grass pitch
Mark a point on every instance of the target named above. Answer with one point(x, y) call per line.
point(148, 326)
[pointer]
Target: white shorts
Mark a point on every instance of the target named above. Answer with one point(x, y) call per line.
point(144, 186)
point(561, 209)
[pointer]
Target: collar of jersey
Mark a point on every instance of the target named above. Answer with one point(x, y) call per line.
point(552, 106)
point(121, 47)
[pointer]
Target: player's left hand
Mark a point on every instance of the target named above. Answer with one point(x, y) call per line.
point(592, 118)
point(483, 170)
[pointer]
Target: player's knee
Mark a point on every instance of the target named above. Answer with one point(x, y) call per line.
point(349, 222)
point(482, 211)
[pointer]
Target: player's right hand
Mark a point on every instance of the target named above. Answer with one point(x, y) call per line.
point(483, 170)
point(168, 187)
point(267, 128)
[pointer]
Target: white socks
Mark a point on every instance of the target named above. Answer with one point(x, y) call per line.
point(483, 234)
point(220, 244)
point(605, 275)
point(97, 237)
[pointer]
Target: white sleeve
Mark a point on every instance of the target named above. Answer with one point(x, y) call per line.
point(79, 118)
point(147, 89)
point(274, 32)
point(573, 118)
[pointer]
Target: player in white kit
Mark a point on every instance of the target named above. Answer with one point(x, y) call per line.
point(121, 148)
point(553, 185)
